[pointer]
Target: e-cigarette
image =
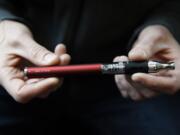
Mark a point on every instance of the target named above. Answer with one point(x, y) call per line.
point(124, 67)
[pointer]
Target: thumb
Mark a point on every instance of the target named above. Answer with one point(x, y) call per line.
point(39, 55)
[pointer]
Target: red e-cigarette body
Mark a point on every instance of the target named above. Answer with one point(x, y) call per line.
point(59, 71)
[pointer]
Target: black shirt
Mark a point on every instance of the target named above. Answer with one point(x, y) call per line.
point(97, 31)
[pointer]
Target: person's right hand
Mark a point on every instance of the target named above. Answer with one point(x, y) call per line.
point(18, 47)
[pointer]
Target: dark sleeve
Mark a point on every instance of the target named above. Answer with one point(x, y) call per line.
point(166, 14)
point(13, 10)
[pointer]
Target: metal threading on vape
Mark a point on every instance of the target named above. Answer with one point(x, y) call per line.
point(115, 68)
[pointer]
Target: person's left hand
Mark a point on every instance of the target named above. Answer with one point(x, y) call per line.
point(154, 43)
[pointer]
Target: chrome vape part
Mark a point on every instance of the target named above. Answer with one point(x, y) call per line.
point(115, 68)
point(156, 66)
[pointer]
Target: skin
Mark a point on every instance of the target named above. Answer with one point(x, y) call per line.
point(154, 43)
point(19, 49)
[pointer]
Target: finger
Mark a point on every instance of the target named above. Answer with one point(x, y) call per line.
point(60, 49)
point(23, 91)
point(132, 91)
point(124, 86)
point(38, 54)
point(159, 83)
point(34, 80)
point(120, 58)
point(145, 92)
point(46, 94)
point(120, 78)
point(65, 59)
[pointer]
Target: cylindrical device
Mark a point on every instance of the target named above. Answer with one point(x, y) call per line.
point(59, 71)
point(128, 67)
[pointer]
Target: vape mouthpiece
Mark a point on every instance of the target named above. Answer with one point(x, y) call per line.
point(168, 65)
point(156, 66)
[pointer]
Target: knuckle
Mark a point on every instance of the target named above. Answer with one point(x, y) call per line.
point(156, 33)
point(13, 33)
point(37, 52)
point(16, 34)
point(13, 42)
point(156, 37)
point(160, 33)
point(16, 39)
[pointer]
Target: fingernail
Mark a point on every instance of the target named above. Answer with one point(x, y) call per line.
point(120, 58)
point(116, 59)
point(49, 57)
point(137, 78)
point(62, 45)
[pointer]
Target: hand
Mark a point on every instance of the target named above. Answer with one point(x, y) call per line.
point(154, 43)
point(17, 48)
